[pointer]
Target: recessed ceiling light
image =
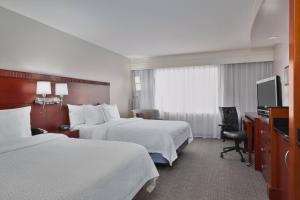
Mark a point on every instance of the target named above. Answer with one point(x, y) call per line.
point(136, 56)
point(273, 37)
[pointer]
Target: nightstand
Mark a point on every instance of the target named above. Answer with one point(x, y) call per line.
point(69, 133)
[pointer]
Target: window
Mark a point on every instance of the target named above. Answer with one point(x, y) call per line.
point(187, 89)
point(138, 84)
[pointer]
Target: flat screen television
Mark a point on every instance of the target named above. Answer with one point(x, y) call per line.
point(269, 93)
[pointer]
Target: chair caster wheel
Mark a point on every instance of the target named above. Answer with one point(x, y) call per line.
point(221, 155)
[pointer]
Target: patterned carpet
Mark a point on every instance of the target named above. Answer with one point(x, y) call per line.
point(200, 174)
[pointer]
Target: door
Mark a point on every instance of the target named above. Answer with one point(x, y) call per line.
point(294, 118)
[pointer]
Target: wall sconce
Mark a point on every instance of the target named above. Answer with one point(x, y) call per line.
point(61, 89)
point(42, 88)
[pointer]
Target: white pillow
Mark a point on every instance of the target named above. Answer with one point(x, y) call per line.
point(111, 112)
point(15, 123)
point(93, 114)
point(76, 115)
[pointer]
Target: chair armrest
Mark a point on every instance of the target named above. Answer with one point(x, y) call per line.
point(222, 125)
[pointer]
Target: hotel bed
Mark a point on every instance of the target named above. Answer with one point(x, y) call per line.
point(52, 166)
point(163, 139)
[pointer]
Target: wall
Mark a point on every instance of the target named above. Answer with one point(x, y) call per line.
point(220, 57)
point(30, 46)
point(281, 60)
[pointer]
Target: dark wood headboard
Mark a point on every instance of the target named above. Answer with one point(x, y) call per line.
point(18, 89)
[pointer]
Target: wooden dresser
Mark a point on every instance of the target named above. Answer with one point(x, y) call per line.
point(271, 148)
point(266, 147)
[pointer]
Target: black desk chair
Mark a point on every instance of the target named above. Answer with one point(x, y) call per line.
point(232, 130)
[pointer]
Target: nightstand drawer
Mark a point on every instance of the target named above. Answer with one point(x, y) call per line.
point(69, 133)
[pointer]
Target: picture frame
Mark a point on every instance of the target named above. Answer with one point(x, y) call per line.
point(286, 76)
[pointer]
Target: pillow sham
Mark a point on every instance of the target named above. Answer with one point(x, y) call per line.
point(76, 115)
point(111, 112)
point(15, 123)
point(93, 114)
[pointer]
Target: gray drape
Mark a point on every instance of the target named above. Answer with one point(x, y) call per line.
point(238, 84)
point(143, 99)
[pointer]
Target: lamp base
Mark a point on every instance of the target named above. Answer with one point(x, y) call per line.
point(48, 101)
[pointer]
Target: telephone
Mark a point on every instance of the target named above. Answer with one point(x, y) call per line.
point(37, 131)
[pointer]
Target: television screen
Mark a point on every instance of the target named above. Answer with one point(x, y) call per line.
point(268, 93)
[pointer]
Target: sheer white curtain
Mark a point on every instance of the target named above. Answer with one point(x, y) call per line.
point(189, 94)
point(193, 94)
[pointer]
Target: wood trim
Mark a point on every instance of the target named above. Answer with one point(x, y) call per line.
point(35, 76)
point(18, 89)
point(294, 116)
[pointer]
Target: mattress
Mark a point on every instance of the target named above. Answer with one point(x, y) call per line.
point(157, 136)
point(52, 166)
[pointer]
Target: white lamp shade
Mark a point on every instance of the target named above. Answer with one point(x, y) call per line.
point(137, 79)
point(61, 89)
point(43, 87)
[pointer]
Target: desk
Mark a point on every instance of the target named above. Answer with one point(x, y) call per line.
point(251, 126)
point(248, 128)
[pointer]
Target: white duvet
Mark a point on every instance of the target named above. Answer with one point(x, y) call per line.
point(52, 167)
point(157, 136)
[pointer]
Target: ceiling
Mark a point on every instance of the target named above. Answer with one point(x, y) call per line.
point(145, 28)
point(271, 25)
